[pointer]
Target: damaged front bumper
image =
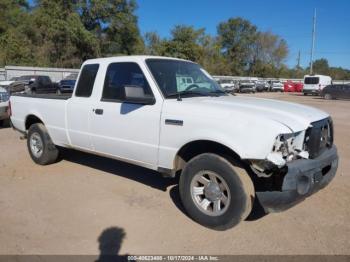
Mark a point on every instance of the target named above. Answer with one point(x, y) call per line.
point(304, 178)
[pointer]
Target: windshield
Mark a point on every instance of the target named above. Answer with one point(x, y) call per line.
point(181, 77)
point(311, 80)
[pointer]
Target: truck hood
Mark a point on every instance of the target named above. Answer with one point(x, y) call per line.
point(296, 117)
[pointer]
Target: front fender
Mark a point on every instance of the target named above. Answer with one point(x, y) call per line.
point(247, 138)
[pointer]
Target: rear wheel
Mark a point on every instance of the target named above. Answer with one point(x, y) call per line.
point(328, 97)
point(40, 146)
point(305, 94)
point(216, 193)
point(1, 123)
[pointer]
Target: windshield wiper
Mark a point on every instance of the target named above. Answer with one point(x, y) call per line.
point(183, 93)
point(218, 92)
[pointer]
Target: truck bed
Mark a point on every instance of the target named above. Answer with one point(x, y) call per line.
point(48, 108)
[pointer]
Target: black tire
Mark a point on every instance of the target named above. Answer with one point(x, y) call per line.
point(49, 152)
point(238, 183)
point(1, 123)
point(305, 94)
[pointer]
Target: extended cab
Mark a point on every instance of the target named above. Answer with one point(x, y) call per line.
point(228, 150)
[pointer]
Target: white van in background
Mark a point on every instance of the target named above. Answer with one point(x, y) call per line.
point(313, 84)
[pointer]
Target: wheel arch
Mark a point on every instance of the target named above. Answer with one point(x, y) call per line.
point(32, 119)
point(197, 147)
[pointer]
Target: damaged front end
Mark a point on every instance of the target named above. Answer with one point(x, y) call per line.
point(299, 165)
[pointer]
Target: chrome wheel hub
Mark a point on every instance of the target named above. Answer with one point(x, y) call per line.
point(36, 145)
point(210, 193)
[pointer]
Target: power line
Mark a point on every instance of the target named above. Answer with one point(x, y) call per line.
point(313, 43)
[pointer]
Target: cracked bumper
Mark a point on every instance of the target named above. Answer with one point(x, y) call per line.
point(304, 178)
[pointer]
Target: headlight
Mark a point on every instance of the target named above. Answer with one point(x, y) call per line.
point(288, 147)
point(284, 144)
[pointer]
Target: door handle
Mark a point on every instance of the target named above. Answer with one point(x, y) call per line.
point(98, 111)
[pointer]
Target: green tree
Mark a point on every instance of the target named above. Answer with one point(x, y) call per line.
point(237, 37)
point(155, 45)
point(212, 59)
point(15, 46)
point(60, 36)
point(185, 43)
point(321, 66)
point(114, 23)
point(269, 52)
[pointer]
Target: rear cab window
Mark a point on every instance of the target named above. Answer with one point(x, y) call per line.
point(86, 80)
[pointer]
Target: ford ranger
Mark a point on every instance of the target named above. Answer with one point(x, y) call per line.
point(227, 150)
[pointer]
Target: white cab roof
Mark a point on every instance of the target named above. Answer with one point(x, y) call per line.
point(135, 58)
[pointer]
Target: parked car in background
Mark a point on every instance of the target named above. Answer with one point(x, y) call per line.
point(5, 84)
point(313, 84)
point(298, 87)
point(33, 84)
point(4, 101)
point(230, 86)
point(19, 84)
point(336, 91)
point(289, 86)
point(276, 86)
point(247, 86)
point(72, 76)
point(66, 86)
point(261, 86)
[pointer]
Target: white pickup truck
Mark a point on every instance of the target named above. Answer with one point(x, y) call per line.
point(228, 150)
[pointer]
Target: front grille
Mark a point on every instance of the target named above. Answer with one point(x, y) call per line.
point(319, 137)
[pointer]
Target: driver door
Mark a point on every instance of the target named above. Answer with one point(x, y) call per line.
point(125, 130)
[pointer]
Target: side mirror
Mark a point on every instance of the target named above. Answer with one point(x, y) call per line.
point(136, 95)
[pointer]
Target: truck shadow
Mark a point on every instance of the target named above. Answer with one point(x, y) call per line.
point(141, 175)
point(118, 168)
point(110, 242)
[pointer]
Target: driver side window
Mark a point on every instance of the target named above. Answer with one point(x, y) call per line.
point(120, 75)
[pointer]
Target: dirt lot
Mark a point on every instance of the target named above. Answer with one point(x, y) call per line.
point(84, 204)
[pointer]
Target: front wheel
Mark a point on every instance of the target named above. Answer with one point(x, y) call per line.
point(40, 146)
point(216, 193)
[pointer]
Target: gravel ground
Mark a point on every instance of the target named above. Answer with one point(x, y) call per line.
point(86, 205)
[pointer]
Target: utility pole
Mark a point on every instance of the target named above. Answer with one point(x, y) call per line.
point(298, 60)
point(313, 43)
